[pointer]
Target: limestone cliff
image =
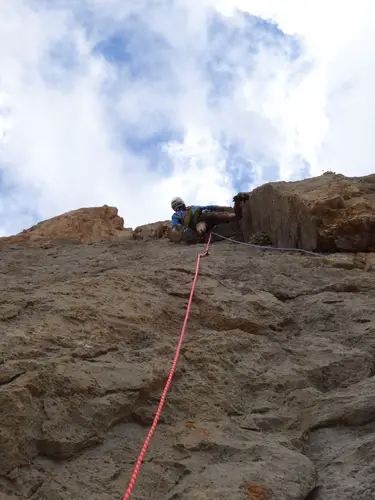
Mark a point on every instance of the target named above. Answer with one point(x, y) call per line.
point(328, 213)
point(273, 397)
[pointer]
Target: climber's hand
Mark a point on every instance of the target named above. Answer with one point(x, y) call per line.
point(174, 234)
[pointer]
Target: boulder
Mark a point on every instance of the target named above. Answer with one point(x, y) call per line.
point(329, 213)
point(153, 231)
point(85, 225)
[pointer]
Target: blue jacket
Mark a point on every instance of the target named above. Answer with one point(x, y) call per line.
point(178, 217)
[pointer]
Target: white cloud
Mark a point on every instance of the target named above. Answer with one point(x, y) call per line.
point(328, 115)
point(198, 153)
point(64, 121)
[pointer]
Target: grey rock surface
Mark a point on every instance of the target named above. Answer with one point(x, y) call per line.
point(273, 397)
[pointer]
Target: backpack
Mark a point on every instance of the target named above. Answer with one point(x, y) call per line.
point(191, 217)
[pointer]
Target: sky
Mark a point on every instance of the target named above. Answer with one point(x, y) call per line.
point(132, 102)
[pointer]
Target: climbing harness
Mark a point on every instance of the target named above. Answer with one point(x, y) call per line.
point(171, 373)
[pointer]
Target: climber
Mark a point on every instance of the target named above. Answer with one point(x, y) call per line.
point(199, 220)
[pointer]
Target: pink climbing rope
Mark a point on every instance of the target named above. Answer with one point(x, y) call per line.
point(167, 385)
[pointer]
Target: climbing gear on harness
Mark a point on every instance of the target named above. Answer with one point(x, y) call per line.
point(177, 203)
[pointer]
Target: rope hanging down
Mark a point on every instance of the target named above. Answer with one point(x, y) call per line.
point(167, 385)
point(178, 349)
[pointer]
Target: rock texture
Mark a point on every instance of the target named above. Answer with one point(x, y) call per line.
point(86, 225)
point(273, 397)
point(328, 213)
point(152, 231)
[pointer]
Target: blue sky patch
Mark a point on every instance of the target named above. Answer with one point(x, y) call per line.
point(136, 48)
point(233, 46)
point(158, 84)
point(152, 147)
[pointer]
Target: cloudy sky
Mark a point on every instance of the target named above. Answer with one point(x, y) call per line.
point(131, 102)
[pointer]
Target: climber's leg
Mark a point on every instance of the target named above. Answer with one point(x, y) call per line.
point(209, 221)
point(221, 217)
point(212, 219)
point(201, 228)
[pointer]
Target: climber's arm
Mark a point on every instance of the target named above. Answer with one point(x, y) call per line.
point(175, 220)
point(210, 208)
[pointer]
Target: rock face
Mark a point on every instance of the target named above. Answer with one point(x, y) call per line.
point(273, 397)
point(329, 213)
point(86, 225)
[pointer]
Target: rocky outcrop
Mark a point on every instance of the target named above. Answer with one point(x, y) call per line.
point(85, 225)
point(152, 231)
point(328, 213)
point(272, 397)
